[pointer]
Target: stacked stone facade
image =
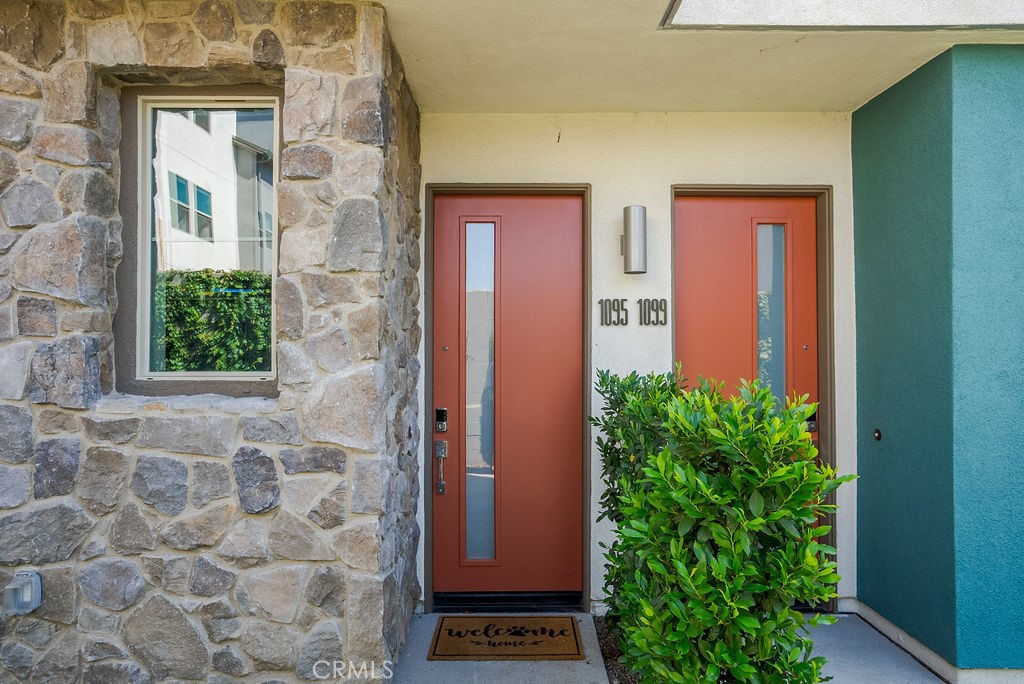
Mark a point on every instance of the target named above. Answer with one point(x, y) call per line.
point(206, 537)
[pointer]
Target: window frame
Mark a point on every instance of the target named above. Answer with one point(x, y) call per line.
point(147, 105)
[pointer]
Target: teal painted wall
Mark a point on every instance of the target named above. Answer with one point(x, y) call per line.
point(902, 170)
point(988, 353)
point(938, 165)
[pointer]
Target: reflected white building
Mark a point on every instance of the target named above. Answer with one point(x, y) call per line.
point(213, 194)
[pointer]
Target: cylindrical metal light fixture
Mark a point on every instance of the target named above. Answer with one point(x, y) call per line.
point(634, 239)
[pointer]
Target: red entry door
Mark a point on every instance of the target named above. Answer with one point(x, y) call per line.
point(746, 291)
point(508, 368)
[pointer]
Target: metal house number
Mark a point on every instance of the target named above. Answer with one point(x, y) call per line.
point(613, 311)
point(649, 311)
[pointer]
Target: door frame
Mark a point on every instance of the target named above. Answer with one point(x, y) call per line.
point(581, 190)
point(823, 195)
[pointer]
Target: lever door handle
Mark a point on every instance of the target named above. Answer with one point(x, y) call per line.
point(440, 453)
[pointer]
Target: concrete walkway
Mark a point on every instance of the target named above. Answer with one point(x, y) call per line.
point(857, 654)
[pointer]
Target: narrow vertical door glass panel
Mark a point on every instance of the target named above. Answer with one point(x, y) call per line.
point(480, 442)
point(771, 307)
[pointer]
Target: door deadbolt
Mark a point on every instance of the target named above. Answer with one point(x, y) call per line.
point(440, 420)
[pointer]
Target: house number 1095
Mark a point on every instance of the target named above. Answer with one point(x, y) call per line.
point(649, 311)
point(613, 311)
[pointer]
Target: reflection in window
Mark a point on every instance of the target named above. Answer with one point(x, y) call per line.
point(191, 208)
point(201, 118)
point(180, 201)
point(204, 214)
point(210, 274)
point(480, 390)
point(771, 307)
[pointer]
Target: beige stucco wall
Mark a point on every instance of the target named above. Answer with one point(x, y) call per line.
point(635, 159)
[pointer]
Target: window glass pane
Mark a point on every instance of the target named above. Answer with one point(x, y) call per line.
point(479, 390)
point(201, 117)
point(203, 203)
point(180, 189)
point(204, 226)
point(179, 216)
point(211, 293)
point(771, 307)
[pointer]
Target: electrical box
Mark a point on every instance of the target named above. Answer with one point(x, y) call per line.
point(23, 594)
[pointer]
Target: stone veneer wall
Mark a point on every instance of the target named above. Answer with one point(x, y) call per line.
point(205, 537)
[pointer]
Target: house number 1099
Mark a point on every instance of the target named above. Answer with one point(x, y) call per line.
point(649, 311)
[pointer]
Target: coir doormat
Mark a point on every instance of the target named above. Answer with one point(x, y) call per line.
point(529, 637)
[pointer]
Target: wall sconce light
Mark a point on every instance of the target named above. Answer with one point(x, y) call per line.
point(634, 239)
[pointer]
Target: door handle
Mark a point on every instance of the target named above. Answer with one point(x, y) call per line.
point(440, 453)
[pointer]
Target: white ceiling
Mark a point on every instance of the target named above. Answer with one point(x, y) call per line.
point(611, 56)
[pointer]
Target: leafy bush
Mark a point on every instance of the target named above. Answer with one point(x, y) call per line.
point(211, 321)
point(717, 503)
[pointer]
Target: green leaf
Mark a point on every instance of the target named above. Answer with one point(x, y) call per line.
point(744, 672)
point(657, 566)
point(756, 503)
point(788, 525)
point(748, 623)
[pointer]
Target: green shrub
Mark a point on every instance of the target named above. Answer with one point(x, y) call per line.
point(211, 321)
point(717, 503)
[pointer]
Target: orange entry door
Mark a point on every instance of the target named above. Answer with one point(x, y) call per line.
point(746, 291)
point(507, 469)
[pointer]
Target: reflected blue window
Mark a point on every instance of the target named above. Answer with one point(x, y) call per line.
point(180, 219)
point(203, 203)
point(180, 189)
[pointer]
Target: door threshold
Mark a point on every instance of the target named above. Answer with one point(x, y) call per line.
point(508, 602)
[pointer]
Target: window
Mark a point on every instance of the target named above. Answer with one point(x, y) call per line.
point(205, 302)
point(201, 118)
point(180, 211)
point(191, 208)
point(204, 214)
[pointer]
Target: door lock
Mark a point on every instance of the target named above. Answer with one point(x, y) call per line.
point(440, 453)
point(440, 420)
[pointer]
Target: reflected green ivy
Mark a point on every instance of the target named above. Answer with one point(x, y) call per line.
point(211, 321)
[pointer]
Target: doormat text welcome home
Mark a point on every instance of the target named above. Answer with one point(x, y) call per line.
point(520, 637)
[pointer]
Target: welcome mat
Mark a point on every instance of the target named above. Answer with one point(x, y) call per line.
point(520, 637)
